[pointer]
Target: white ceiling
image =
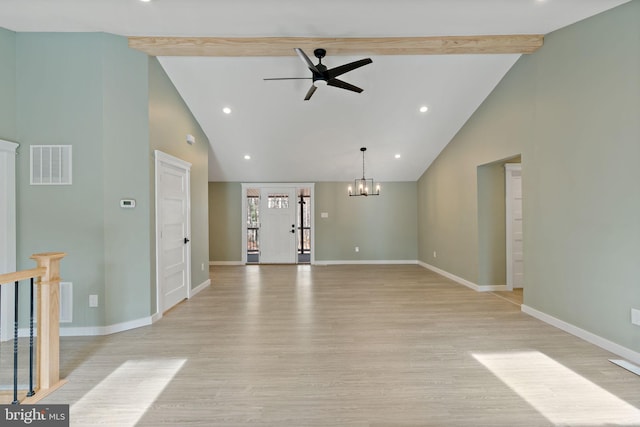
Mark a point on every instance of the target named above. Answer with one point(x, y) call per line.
point(318, 140)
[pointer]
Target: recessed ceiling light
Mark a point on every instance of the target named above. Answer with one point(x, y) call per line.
point(226, 110)
point(145, 1)
point(397, 156)
point(247, 157)
point(424, 109)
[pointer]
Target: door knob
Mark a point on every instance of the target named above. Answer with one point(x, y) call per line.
point(186, 240)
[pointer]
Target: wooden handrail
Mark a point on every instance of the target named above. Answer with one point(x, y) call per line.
point(47, 275)
point(10, 278)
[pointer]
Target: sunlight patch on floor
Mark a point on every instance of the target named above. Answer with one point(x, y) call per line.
point(108, 400)
point(558, 393)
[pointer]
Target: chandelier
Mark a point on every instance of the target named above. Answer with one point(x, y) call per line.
point(363, 186)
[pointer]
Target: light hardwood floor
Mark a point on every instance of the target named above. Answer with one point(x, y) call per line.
point(342, 346)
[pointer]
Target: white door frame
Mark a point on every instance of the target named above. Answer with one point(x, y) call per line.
point(7, 232)
point(510, 169)
point(297, 186)
point(161, 157)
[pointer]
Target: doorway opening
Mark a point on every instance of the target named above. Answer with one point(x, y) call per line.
point(500, 226)
point(277, 223)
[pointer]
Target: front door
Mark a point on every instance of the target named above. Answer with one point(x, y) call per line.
point(172, 230)
point(278, 226)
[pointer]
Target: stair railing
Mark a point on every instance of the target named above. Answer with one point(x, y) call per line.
point(46, 279)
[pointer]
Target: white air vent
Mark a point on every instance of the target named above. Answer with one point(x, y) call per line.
point(50, 164)
point(66, 302)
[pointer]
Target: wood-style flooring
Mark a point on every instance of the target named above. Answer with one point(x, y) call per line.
point(371, 345)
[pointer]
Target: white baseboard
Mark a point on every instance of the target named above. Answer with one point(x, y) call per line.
point(448, 275)
point(83, 331)
point(199, 288)
point(465, 282)
point(105, 330)
point(364, 262)
point(492, 288)
point(226, 263)
point(585, 335)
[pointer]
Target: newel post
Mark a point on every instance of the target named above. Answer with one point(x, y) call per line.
point(48, 341)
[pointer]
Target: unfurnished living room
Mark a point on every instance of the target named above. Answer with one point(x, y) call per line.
point(277, 213)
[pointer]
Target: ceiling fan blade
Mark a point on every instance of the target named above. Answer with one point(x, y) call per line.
point(311, 90)
point(289, 78)
point(306, 60)
point(343, 85)
point(335, 72)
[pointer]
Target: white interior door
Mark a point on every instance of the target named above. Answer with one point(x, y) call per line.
point(515, 261)
point(278, 226)
point(172, 230)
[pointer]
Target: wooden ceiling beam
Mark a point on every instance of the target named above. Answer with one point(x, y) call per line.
point(283, 46)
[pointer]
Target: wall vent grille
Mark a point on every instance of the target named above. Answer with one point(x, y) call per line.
point(51, 165)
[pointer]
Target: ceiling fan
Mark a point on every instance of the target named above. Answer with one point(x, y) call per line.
point(321, 76)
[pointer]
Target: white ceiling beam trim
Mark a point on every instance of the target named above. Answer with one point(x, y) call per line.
point(283, 46)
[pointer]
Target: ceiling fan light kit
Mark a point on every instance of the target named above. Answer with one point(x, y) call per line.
point(321, 76)
point(363, 186)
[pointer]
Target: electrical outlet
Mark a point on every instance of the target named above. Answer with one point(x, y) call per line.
point(357, 248)
point(635, 316)
point(203, 266)
point(435, 255)
point(93, 300)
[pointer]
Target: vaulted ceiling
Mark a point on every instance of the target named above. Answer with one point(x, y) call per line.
point(287, 138)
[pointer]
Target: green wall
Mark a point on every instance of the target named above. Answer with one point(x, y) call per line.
point(7, 85)
point(383, 227)
point(572, 110)
point(60, 102)
point(125, 175)
point(447, 191)
point(89, 91)
point(580, 178)
point(170, 120)
point(225, 221)
point(115, 106)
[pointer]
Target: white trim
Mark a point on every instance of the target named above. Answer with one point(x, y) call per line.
point(118, 327)
point(155, 317)
point(97, 330)
point(450, 276)
point(626, 365)
point(365, 262)
point(511, 170)
point(492, 288)
point(161, 157)
point(581, 333)
point(227, 262)
point(8, 151)
point(199, 288)
point(260, 185)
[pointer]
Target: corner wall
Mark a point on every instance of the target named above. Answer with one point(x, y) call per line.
point(59, 101)
point(170, 120)
point(571, 109)
point(89, 91)
point(7, 85)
